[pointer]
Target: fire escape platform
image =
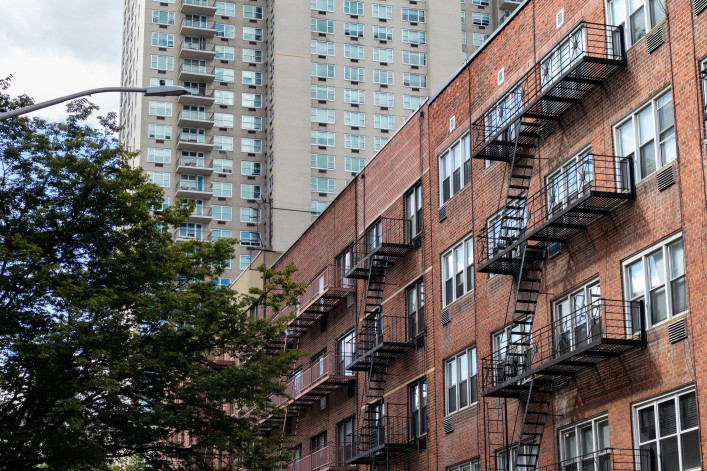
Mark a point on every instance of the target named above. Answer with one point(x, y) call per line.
point(384, 242)
point(380, 355)
point(380, 453)
point(385, 252)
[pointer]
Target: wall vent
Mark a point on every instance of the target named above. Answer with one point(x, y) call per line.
point(322, 403)
point(448, 425)
point(452, 123)
point(446, 317)
point(442, 213)
point(677, 331)
point(547, 129)
point(655, 39)
point(700, 6)
point(560, 18)
point(665, 178)
point(501, 76)
point(562, 382)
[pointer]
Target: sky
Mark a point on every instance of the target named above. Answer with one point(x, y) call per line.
point(56, 47)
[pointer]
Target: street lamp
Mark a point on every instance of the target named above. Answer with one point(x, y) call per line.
point(163, 90)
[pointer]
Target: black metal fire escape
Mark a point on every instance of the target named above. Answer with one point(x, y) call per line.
point(517, 238)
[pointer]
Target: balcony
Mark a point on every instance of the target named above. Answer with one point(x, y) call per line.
point(199, 143)
point(614, 459)
point(194, 166)
point(196, 119)
point(581, 62)
point(509, 5)
point(327, 458)
point(196, 73)
point(187, 234)
point(323, 294)
point(382, 436)
point(581, 339)
point(193, 50)
point(197, 97)
point(198, 7)
point(197, 28)
point(190, 190)
point(200, 215)
point(383, 243)
point(380, 340)
point(557, 212)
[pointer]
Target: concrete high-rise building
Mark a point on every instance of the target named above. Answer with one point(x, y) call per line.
point(287, 102)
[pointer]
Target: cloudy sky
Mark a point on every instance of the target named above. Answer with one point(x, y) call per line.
point(56, 47)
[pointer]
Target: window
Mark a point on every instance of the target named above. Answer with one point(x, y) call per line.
point(252, 123)
point(323, 185)
point(322, 70)
point(160, 108)
point(317, 207)
point(160, 179)
point(355, 141)
point(573, 179)
point(468, 466)
point(252, 12)
point(384, 12)
point(322, 48)
point(157, 82)
point(250, 215)
point(250, 192)
point(251, 169)
point(412, 102)
point(223, 97)
point(384, 99)
point(321, 26)
point(225, 9)
point(354, 74)
point(562, 57)
point(197, 21)
point(344, 441)
point(322, 115)
point(353, 118)
point(244, 261)
point(636, 16)
point(165, 204)
point(190, 231)
point(384, 77)
point(577, 318)
point(163, 17)
point(464, 38)
point(353, 30)
point(506, 462)
point(481, 3)
point(353, 8)
point(413, 211)
point(418, 408)
point(252, 34)
point(323, 162)
point(413, 15)
point(159, 131)
point(223, 120)
point(222, 189)
point(382, 55)
point(224, 75)
point(159, 155)
point(412, 36)
point(455, 168)
point(667, 428)
point(222, 282)
point(223, 143)
point(463, 17)
point(414, 58)
point(352, 51)
point(191, 182)
point(379, 142)
point(253, 146)
point(383, 33)
point(221, 213)
point(223, 165)
point(585, 446)
point(657, 277)
point(648, 136)
point(225, 31)
point(458, 270)
point(415, 308)
point(192, 159)
point(384, 121)
point(252, 100)
point(322, 5)
point(704, 90)
point(460, 380)
point(479, 38)
point(318, 440)
point(217, 234)
point(193, 135)
point(162, 39)
point(225, 53)
point(354, 96)
point(345, 348)
point(322, 92)
point(354, 164)
point(480, 19)
point(161, 62)
point(414, 80)
point(322, 138)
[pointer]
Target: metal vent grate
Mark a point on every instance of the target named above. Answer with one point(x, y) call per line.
point(655, 39)
point(448, 425)
point(700, 6)
point(665, 178)
point(562, 382)
point(547, 129)
point(446, 317)
point(442, 213)
point(677, 331)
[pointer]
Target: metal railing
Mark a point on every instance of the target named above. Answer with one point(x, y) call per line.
point(189, 186)
point(200, 3)
point(608, 459)
point(300, 383)
point(384, 232)
point(327, 279)
point(589, 175)
point(383, 329)
point(388, 429)
point(197, 23)
point(197, 69)
point(580, 330)
point(329, 455)
point(198, 46)
point(195, 138)
point(196, 115)
point(194, 162)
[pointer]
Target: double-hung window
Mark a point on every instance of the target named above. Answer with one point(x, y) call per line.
point(473, 465)
point(223, 165)
point(252, 34)
point(585, 445)
point(657, 277)
point(223, 143)
point(418, 408)
point(323, 161)
point(250, 239)
point(322, 92)
point(480, 19)
point(249, 77)
point(413, 15)
point(225, 9)
point(507, 458)
point(460, 381)
point(159, 131)
point(354, 164)
point(458, 270)
point(577, 318)
point(383, 12)
point(414, 58)
point(323, 185)
point(322, 5)
point(412, 102)
point(221, 213)
point(217, 234)
point(317, 207)
point(384, 77)
point(161, 62)
point(252, 12)
point(383, 33)
point(344, 441)
point(225, 75)
point(321, 48)
point(412, 36)
point(413, 211)
point(501, 114)
point(322, 115)
point(222, 189)
point(562, 57)
point(479, 38)
point(160, 108)
point(343, 265)
point(318, 25)
point(250, 215)
point(511, 353)
point(159, 155)
point(250, 145)
point(414, 80)
point(250, 192)
point(354, 118)
point(323, 138)
point(244, 261)
point(225, 53)
point(189, 230)
point(384, 121)
point(252, 123)
point(352, 51)
point(163, 17)
point(225, 31)
point(382, 55)
point(353, 30)
point(384, 99)
point(704, 90)
point(354, 74)
point(254, 56)
point(455, 168)
point(415, 307)
point(252, 100)
point(162, 39)
point(379, 142)
point(249, 168)
point(354, 96)
point(355, 141)
point(160, 179)
point(636, 16)
point(648, 136)
point(353, 8)
point(571, 181)
point(224, 97)
point(345, 348)
point(322, 70)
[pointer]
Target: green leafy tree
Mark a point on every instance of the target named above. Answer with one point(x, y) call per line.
point(110, 333)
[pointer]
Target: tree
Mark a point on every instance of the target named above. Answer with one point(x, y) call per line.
point(110, 333)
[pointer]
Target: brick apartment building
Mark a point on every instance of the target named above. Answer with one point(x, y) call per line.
point(517, 280)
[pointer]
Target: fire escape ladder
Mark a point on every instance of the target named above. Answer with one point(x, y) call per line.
point(536, 407)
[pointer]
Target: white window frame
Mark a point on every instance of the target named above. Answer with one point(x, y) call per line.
point(322, 26)
point(414, 36)
point(382, 33)
point(252, 12)
point(322, 48)
point(384, 121)
point(409, 99)
point(247, 215)
point(458, 268)
point(355, 141)
point(636, 21)
point(455, 166)
point(415, 58)
point(161, 179)
point(354, 74)
point(480, 19)
point(412, 15)
point(414, 80)
point(389, 54)
point(159, 155)
point(222, 189)
point(249, 239)
point(379, 142)
point(159, 131)
point(252, 34)
point(328, 5)
point(353, 8)
point(251, 192)
point(329, 138)
point(355, 118)
point(354, 51)
point(384, 12)
point(349, 95)
point(220, 165)
point(453, 378)
point(329, 185)
point(597, 458)
point(473, 465)
point(577, 317)
point(389, 99)
point(323, 161)
point(353, 30)
point(253, 165)
point(349, 164)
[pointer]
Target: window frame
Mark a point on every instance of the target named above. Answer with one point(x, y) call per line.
point(415, 309)
point(598, 455)
point(454, 172)
point(418, 400)
point(452, 368)
point(451, 270)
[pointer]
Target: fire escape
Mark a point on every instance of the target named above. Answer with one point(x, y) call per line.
point(382, 431)
point(516, 240)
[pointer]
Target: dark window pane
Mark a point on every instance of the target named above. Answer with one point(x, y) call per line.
point(690, 450)
point(688, 411)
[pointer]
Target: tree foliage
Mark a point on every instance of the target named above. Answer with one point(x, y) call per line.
point(110, 333)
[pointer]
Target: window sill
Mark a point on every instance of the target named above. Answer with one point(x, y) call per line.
point(666, 322)
point(447, 306)
point(657, 171)
point(472, 406)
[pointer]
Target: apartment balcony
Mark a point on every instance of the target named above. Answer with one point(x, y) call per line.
point(326, 291)
point(198, 7)
point(329, 457)
point(558, 211)
point(581, 62)
point(190, 50)
point(194, 166)
point(193, 191)
point(200, 215)
point(195, 142)
point(382, 436)
point(509, 5)
point(196, 73)
point(380, 340)
point(197, 97)
point(383, 243)
point(614, 459)
point(583, 338)
point(196, 119)
point(197, 28)
point(184, 234)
